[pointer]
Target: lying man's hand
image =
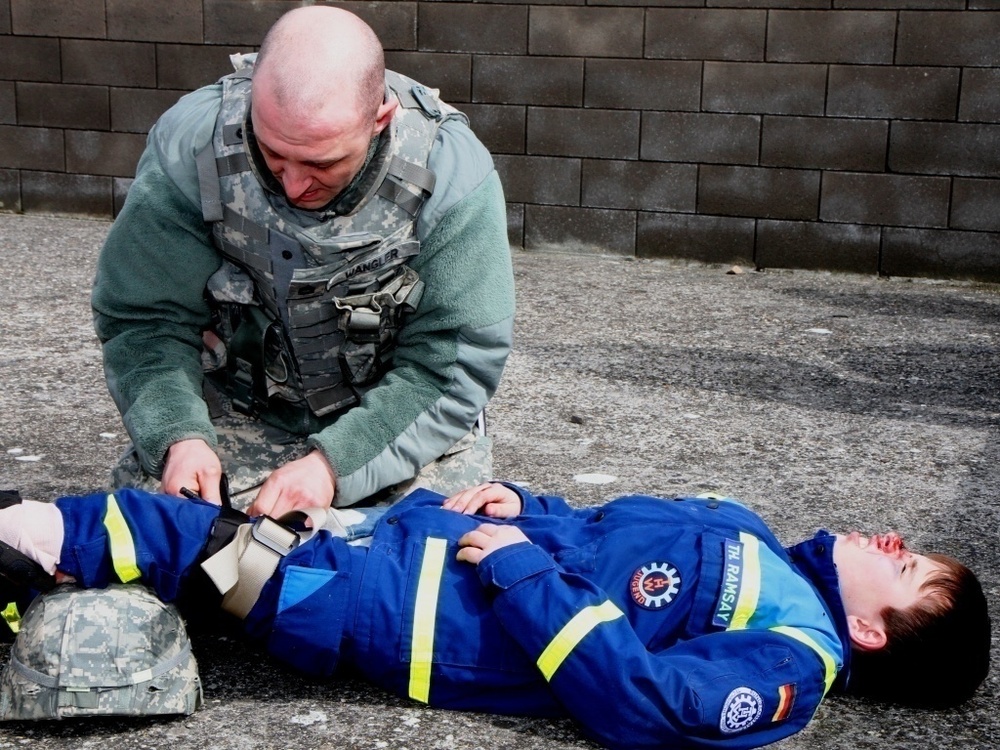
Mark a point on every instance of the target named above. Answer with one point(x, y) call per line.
point(494, 500)
point(487, 538)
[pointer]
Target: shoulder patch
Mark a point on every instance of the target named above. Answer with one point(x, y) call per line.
point(741, 710)
point(654, 585)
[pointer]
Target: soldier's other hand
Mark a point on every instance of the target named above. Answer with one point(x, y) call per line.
point(486, 539)
point(493, 500)
point(307, 482)
point(194, 465)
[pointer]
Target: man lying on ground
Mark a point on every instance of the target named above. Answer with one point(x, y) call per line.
point(653, 623)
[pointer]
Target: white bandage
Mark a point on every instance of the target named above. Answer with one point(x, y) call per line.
point(34, 529)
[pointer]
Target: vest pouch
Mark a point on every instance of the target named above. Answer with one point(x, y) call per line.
point(230, 284)
point(254, 351)
point(359, 362)
point(371, 324)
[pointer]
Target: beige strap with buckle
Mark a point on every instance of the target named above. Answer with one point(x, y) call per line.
point(241, 568)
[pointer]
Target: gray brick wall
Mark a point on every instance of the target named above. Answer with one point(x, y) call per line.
point(851, 135)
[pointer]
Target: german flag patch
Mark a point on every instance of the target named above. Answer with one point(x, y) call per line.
point(786, 697)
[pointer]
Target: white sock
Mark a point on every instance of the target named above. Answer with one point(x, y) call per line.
point(34, 529)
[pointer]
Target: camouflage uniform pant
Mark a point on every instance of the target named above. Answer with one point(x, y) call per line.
point(250, 450)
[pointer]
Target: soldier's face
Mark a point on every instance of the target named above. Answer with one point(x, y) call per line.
point(313, 158)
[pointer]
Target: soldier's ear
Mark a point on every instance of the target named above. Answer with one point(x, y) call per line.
point(384, 114)
point(866, 634)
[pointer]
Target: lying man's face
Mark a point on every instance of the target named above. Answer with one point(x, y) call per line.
point(877, 572)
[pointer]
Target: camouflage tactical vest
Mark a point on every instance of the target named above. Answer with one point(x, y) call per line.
point(308, 306)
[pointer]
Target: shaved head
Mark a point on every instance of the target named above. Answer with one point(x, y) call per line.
point(318, 61)
point(318, 102)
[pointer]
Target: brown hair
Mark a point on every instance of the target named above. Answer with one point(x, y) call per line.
point(937, 651)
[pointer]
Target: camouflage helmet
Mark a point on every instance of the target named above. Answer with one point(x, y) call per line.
point(118, 651)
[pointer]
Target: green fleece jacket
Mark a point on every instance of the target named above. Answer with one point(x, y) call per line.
point(150, 310)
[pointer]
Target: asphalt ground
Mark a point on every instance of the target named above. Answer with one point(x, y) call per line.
point(818, 399)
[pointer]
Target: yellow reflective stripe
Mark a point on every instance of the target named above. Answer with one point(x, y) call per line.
point(746, 605)
point(424, 615)
point(829, 664)
point(122, 546)
point(12, 616)
point(572, 633)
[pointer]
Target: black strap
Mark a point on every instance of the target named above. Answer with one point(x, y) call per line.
point(224, 529)
point(8, 498)
point(232, 164)
point(19, 572)
point(225, 525)
point(199, 599)
point(247, 381)
point(227, 501)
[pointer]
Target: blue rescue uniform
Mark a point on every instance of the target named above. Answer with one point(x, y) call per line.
point(653, 623)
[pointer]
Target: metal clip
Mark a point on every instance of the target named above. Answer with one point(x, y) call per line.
point(271, 534)
point(423, 98)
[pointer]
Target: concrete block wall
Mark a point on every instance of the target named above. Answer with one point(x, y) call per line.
point(854, 135)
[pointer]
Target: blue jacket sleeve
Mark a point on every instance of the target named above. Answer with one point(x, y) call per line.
point(737, 689)
point(541, 505)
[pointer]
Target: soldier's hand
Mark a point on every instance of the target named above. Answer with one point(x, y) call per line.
point(488, 538)
point(493, 500)
point(307, 482)
point(194, 465)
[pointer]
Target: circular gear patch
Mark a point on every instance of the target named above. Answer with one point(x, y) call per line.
point(741, 710)
point(655, 585)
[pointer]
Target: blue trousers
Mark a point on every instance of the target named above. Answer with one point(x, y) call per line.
point(169, 536)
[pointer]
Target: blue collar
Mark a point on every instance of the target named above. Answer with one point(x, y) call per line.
point(813, 558)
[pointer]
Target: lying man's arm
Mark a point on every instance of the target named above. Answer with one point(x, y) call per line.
point(737, 689)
